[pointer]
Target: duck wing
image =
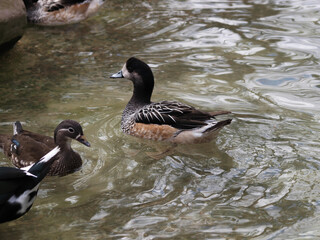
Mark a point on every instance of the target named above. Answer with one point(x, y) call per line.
point(26, 150)
point(10, 181)
point(175, 114)
point(48, 141)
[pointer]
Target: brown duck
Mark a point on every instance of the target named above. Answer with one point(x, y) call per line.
point(25, 148)
point(57, 12)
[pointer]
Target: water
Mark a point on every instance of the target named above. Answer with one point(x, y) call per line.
point(259, 179)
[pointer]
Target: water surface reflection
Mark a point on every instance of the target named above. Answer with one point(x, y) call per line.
point(258, 59)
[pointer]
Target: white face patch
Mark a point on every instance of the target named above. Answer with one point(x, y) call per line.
point(24, 199)
point(125, 72)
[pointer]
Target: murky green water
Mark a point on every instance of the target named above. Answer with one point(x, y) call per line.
point(260, 179)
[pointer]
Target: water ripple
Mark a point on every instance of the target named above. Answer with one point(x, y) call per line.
point(258, 59)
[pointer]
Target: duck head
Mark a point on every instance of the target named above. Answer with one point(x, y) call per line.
point(68, 130)
point(141, 75)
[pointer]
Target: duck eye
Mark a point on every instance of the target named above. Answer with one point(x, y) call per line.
point(71, 130)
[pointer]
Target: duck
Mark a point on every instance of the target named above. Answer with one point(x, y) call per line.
point(58, 12)
point(25, 147)
point(170, 121)
point(19, 187)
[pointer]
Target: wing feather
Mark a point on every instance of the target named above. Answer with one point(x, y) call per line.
point(175, 114)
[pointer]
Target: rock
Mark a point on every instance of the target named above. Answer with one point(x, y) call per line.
point(13, 19)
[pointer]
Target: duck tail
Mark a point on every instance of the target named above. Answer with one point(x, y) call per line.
point(17, 128)
point(218, 125)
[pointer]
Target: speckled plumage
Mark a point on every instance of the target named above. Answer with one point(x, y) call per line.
point(166, 120)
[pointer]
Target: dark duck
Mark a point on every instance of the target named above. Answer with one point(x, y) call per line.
point(19, 187)
point(25, 147)
point(166, 120)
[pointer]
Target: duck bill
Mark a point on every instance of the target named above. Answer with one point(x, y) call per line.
point(117, 75)
point(83, 140)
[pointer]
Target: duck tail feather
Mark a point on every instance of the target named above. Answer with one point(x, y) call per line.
point(218, 125)
point(17, 128)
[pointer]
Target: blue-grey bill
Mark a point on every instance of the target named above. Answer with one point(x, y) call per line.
point(117, 75)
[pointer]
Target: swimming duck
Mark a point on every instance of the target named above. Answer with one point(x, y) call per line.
point(19, 187)
point(166, 120)
point(57, 12)
point(25, 148)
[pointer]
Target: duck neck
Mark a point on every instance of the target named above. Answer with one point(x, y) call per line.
point(141, 93)
point(64, 143)
point(140, 97)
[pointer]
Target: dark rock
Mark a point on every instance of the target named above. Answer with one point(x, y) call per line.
point(13, 19)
